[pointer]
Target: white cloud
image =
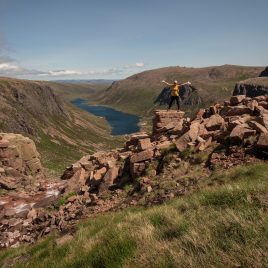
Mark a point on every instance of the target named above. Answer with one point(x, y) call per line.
point(139, 64)
point(60, 73)
point(6, 66)
point(9, 67)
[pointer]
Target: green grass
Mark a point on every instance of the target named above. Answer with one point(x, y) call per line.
point(223, 225)
point(88, 139)
point(56, 157)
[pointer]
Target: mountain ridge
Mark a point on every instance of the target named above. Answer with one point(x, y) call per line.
point(32, 108)
point(138, 92)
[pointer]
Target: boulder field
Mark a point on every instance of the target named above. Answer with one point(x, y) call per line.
point(242, 121)
point(95, 183)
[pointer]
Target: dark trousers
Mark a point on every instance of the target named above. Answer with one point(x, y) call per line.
point(177, 99)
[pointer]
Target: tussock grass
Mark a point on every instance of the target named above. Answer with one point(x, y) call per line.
point(222, 225)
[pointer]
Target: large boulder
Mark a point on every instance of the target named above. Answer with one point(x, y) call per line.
point(235, 100)
point(241, 132)
point(110, 177)
point(214, 122)
point(142, 156)
point(144, 144)
point(252, 87)
point(190, 136)
point(166, 120)
point(263, 141)
point(19, 156)
point(235, 110)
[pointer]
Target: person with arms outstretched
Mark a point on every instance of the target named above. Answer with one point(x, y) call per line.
point(175, 90)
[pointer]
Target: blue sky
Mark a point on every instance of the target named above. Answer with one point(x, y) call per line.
point(79, 39)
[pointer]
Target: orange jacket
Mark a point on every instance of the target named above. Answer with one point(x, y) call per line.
point(175, 89)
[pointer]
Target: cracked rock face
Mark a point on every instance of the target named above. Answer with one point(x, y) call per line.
point(18, 156)
point(252, 87)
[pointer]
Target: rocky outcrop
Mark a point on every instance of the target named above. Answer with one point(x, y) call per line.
point(18, 155)
point(264, 73)
point(240, 121)
point(252, 87)
point(188, 95)
point(164, 121)
point(26, 191)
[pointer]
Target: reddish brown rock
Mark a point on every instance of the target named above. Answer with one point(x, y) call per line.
point(204, 144)
point(203, 131)
point(263, 119)
point(144, 144)
point(200, 113)
point(258, 127)
point(32, 214)
point(241, 132)
point(134, 139)
point(214, 122)
point(252, 105)
point(264, 104)
point(76, 181)
point(235, 100)
point(213, 109)
point(7, 183)
point(260, 98)
point(163, 145)
point(182, 142)
point(166, 120)
point(142, 156)
point(263, 141)
point(19, 153)
point(188, 137)
point(233, 124)
point(235, 110)
point(111, 175)
point(99, 173)
point(137, 169)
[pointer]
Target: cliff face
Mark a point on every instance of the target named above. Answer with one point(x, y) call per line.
point(189, 96)
point(264, 73)
point(252, 87)
point(24, 104)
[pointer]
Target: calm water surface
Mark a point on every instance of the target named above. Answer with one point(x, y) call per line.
point(121, 123)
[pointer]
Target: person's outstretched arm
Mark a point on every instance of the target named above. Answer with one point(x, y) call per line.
point(186, 83)
point(163, 81)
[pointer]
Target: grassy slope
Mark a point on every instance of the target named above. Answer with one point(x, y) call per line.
point(61, 137)
point(73, 91)
point(137, 93)
point(90, 134)
point(95, 131)
point(223, 225)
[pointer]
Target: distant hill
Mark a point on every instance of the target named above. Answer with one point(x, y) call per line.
point(85, 81)
point(138, 92)
point(62, 132)
point(71, 91)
